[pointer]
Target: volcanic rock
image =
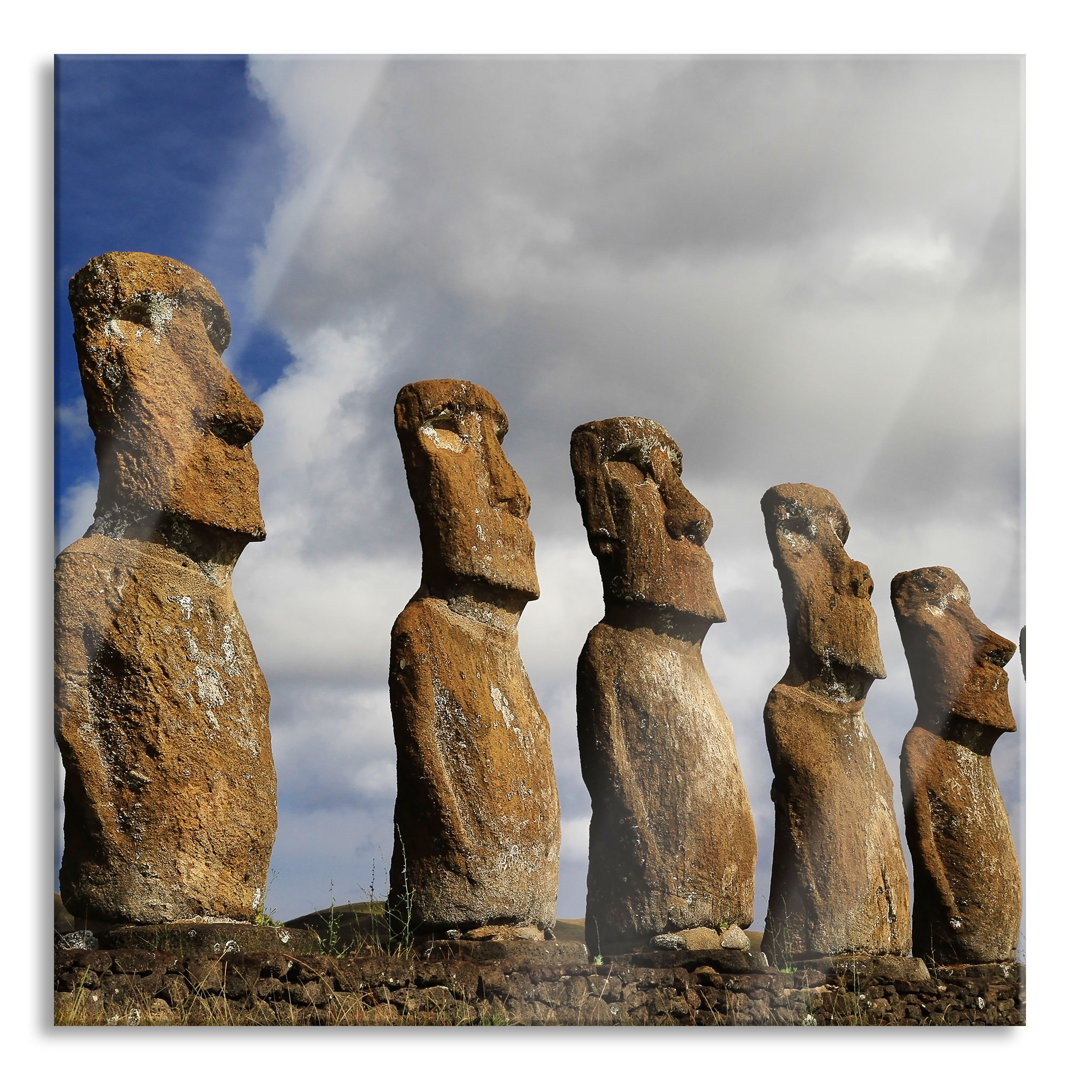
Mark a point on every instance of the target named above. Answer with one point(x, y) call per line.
point(734, 938)
point(477, 813)
point(696, 937)
point(839, 882)
point(967, 886)
point(161, 709)
point(671, 841)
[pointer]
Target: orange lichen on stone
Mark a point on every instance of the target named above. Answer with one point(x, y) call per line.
point(477, 814)
point(161, 709)
point(839, 881)
point(671, 842)
point(968, 895)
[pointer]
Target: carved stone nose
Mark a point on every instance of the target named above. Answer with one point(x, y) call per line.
point(507, 489)
point(992, 648)
point(236, 419)
point(862, 584)
point(684, 518)
point(690, 522)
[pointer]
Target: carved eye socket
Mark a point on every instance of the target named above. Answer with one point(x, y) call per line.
point(135, 311)
point(799, 523)
point(626, 469)
point(634, 454)
point(445, 421)
point(446, 430)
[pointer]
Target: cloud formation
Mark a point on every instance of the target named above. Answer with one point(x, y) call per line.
point(806, 269)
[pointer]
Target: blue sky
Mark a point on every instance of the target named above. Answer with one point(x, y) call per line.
point(169, 155)
point(807, 270)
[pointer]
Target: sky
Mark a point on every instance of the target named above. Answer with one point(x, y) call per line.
point(806, 269)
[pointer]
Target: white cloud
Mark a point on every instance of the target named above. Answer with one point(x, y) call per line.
point(905, 252)
point(76, 512)
point(575, 837)
point(72, 419)
point(806, 269)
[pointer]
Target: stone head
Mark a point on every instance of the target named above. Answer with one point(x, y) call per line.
point(956, 661)
point(645, 529)
point(832, 628)
point(173, 427)
point(472, 507)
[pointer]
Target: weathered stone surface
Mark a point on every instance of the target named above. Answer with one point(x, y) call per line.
point(853, 968)
point(77, 939)
point(207, 938)
point(668, 941)
point(693, 987)
point(173, 427)
point(696, 937)
point(839, 882)
point(505, 933)
point(671, 842)
point(734, 938)
point(161, 709)
point(477, 812)
point(968, 893)
point(494, 950)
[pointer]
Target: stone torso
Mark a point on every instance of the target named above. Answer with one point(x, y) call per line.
point(477, 817)
point(839, 881)
point(966, 875)
point(672, 842)
point(162, 721)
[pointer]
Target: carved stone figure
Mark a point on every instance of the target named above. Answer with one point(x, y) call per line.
point(161, 709)
point(839, 882)
point(671, 843)
point(477, 815)
point(966, 875)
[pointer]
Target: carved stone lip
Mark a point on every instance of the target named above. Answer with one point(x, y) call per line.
point(658, 618)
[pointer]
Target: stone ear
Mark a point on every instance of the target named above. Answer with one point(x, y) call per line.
point(406, 409)
point(590, 486)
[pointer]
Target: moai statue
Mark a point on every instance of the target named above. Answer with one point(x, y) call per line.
point(839, 882)
point(966, 875)
point(671, 843)
point(476, 821)
point(161, 709)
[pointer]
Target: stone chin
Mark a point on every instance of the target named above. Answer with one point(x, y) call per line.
point(504, 561)
point(184, 471)
point(231, 502)
point(847, 638)
point(960, 688)
point(683, 586)
point(985, 699)
point(194, 518)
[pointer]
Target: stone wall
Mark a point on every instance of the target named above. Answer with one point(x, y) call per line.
point(545, 984)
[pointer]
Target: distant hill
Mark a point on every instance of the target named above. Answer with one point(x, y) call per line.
point(350, 925)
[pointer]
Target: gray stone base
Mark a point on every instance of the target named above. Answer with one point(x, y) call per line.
point(863, 965)
point(197, 937)
point(531, 952)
